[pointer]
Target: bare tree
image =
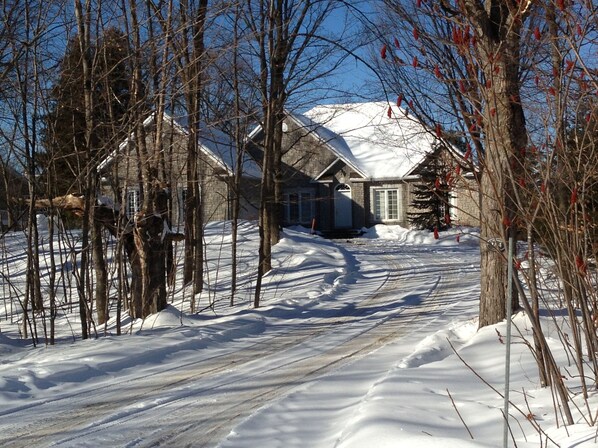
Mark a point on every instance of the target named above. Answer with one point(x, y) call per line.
point(284, 32)
point(498, 72)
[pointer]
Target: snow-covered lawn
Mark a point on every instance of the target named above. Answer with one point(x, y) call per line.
point(354, 346)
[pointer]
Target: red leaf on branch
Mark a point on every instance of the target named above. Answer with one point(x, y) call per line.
point(458, 170)
point(415, 63)
point(399, 100)
point(415, 34)
point(581, 265)
point(561, 4)
point(437, 72)
point(552, 91)
point(457, 37)
point(468, 152)
point(506, 221)
point(537, 33)
point(447, 219)
point(500, 339)
point(437, 184)
point(573, 199)
point(555, 72)
point(462, 86)
point(537, 80)
point(522, 182)
point(397, 44)
point(543, 188)
point(411, 105)
point(436, 236)
point(383, 52)
point(493, 111)
point(488, 83)
point(389, 112)
point(570, 65)
point(517, 265)
point(418, 3)
point(458, 238)
point(438, 130)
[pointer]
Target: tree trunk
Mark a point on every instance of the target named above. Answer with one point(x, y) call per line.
point(149, 226)
point(504, 136)
point(99, 265)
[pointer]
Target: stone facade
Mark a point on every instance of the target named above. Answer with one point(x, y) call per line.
point(466, 204)
point(121, 179)
point(318, 184)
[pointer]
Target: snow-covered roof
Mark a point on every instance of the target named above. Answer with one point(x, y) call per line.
point(217, 145)
point(335, 142)
point(364, 136)
point(222, 149)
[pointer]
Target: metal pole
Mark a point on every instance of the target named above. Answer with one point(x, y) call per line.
point(508, 350)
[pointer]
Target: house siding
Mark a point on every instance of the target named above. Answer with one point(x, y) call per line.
point(403, 189)
point(308, 163)
point(304, 156)
point(467, 202)
point(123, 174)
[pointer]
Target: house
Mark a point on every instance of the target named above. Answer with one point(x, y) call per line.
point(350, 166)
point(217, 161)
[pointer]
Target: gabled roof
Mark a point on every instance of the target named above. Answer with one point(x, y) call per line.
point(217, 145)
point(333, 141)
point(366, 138)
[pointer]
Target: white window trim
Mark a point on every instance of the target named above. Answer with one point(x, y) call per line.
point(181, 198)
point(385, 212)
point(287, 209)
point(453, 205)
point(136, 194)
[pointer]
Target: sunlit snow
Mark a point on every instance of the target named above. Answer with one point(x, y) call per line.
point(353, 346)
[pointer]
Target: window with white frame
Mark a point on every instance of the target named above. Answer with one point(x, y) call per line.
point(298, 206)
point(386, 203)
point(133, 201)
point(182, 205)
point(181, 199)
point(453, 206)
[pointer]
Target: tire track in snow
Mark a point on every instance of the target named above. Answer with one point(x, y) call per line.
point(205, 399)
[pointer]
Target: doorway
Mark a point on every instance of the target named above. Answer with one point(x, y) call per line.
point(343, 207)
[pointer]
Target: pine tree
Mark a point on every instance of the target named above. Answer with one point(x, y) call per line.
point(432, 195)
point(64, 131)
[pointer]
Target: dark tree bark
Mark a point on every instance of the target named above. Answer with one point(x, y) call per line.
point(149, 293)
point(284, 31)
point(498, 28)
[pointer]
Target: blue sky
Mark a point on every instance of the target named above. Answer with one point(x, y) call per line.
point(352, 80)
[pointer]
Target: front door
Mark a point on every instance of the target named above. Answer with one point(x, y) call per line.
point(343, 207)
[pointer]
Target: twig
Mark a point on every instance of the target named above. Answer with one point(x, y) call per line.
point(505, 416)
point(533, 423)
point(459, 414)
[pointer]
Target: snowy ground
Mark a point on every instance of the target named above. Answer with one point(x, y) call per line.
point(354, 346)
